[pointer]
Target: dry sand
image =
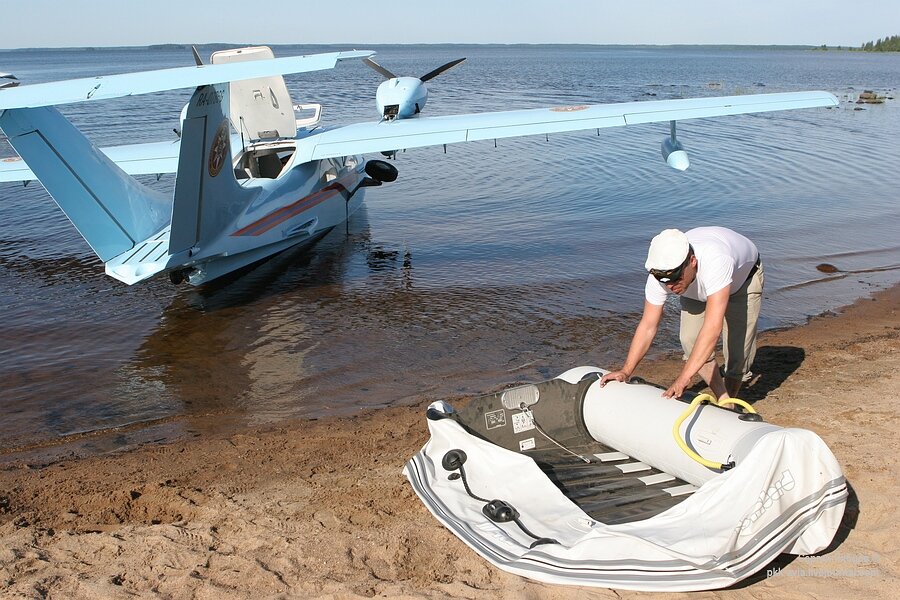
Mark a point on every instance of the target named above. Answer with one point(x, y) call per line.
point(319, 509)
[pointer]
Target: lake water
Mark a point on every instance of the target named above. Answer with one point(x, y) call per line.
point(479, 267)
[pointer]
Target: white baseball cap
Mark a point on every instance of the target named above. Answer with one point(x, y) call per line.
point(668, 250)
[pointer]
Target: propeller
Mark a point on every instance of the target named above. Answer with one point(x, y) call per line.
point(441, 69)
point(426, 77)
point(403, 97)
point(13, 80)
point(384, 72)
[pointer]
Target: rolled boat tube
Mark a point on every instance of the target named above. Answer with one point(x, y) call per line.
point(637, 420)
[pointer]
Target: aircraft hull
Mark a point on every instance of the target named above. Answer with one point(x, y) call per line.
point(271, 226)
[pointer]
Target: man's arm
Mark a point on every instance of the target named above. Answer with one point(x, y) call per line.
point(640, 343)
point(706, 341)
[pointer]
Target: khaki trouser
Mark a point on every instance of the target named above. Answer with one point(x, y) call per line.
point(738, 331)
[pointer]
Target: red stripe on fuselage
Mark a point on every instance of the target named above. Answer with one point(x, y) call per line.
point(276, 217)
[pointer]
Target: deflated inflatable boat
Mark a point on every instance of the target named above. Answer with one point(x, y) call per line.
point(568, 482)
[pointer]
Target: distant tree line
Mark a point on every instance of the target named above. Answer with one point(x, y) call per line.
point(888, 44)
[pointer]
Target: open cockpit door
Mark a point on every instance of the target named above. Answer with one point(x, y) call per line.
point(261, 109)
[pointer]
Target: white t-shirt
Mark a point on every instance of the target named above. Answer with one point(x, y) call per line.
point(724, 258)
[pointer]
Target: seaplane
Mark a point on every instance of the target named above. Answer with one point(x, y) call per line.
point(256, 174)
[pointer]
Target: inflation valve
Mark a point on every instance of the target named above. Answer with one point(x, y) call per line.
point(498, 511)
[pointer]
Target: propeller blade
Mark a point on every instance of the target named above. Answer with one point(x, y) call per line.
point(197, 58)
point(14, 81)
point(371, 63)
point(441, 69)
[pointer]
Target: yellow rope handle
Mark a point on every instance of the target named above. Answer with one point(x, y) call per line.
point(699, 399)
point(726, 401)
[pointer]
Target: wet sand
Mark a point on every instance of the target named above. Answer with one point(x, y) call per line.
point(320, 509)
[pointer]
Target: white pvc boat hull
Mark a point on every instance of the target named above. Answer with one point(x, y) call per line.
point(786, 493)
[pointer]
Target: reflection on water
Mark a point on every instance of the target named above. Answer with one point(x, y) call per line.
point(293, 338)
point(479, 266)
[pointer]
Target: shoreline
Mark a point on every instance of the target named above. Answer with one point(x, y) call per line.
point(174, 428)
point(319, 508)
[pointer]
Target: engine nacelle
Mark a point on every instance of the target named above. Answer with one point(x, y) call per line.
point(401, 97)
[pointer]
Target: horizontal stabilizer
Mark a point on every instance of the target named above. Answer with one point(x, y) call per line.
point(146, 82)
point(399, 134)
point(146, 259)
point(154, 158)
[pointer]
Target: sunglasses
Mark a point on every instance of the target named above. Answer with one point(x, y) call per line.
point(672, 275)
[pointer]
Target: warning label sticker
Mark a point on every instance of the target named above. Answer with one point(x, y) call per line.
point(522, 422)
point(495, 419)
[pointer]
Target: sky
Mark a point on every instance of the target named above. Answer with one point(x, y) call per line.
point(64, 23)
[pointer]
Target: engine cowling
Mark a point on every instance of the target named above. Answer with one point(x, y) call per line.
point(401, 97)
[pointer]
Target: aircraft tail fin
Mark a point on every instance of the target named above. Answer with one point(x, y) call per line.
point(110, 209)
point(207, 195)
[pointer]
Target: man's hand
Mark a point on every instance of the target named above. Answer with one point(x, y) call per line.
point(677, 388)
point(613, 376)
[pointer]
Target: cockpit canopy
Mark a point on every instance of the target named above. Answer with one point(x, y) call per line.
point(261, 109)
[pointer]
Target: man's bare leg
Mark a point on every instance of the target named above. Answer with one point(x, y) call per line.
point(733, 386)
point(710, 374)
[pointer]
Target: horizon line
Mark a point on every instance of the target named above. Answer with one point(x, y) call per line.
point(357, 45)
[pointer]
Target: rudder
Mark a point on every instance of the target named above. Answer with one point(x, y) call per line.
point(207, 196)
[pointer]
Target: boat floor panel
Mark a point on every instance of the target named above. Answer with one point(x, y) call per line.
point(544, 421)
point(607, 491)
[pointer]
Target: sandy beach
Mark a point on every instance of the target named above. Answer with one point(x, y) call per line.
point(320, 509)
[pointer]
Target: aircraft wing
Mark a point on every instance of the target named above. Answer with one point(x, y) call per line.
point(129, 84)
point(386, 136)
point(135, 159)
point(362, 138)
